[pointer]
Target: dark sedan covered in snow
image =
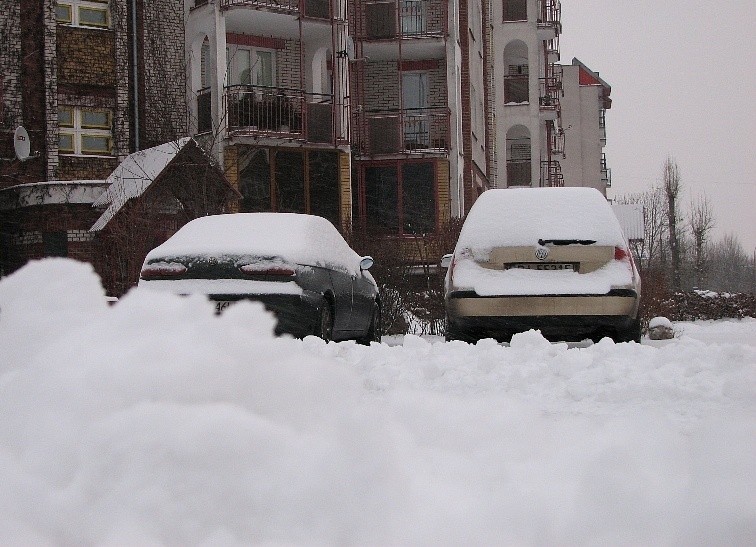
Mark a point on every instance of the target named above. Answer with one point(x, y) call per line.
point(298, 266)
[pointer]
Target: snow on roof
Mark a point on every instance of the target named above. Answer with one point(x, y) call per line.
point(133, 176)
point(522, 216)
point(53, 192)
point(630, 217)
point(297, 238)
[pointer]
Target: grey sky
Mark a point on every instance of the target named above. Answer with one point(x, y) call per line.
point(683, 85)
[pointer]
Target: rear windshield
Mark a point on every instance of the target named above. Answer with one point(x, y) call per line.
point(523, 216)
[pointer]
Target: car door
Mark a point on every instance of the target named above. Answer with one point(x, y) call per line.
point(342, 283)
point(362, 303)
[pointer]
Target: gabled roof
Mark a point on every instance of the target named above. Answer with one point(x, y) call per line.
point(134, 176)
point(589, 77)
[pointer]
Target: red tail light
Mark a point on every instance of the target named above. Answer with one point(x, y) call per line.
point(621, 254)
point(278, 270)
point(163, 270)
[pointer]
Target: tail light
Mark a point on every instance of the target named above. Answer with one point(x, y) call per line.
point(624, 255)
point(163, 270)
point(278, 270)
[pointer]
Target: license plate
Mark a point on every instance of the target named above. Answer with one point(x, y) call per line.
point(221, 305)
point(543, 266)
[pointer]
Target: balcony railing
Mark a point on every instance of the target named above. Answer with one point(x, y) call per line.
point(551, 174)
point(403, 131)
point(319, 9)
point(280, 112)
point(606, 172)
point(550, 15)
point(402, 19)
point(550, 90)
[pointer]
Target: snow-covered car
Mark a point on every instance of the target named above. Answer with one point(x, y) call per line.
point(553, 259)
point(298, 266)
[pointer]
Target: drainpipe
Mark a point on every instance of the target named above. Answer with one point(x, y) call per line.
point(135, 71)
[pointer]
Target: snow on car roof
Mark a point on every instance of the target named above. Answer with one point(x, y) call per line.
point(522, 216)
point(297, 238)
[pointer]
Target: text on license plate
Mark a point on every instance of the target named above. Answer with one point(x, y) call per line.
point(221, 305)
point(543, 266)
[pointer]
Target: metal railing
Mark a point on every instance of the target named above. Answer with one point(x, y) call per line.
point(280, 111)
point(550, 13)
point(403, 131)
point(402, 19)
point(320, 9)
point(551, 174)
point(550, 89)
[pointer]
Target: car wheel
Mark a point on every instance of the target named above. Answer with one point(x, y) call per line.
point(374, 330)
point(630, 334)
point(325, 323)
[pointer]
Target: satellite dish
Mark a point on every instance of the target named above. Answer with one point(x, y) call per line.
point(21, 143)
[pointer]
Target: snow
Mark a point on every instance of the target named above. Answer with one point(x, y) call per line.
point(299, 239)
point(519, 218)
point(154, 421)
point(659, 322)
point(133, 176)
point(488, 282)
point(522, 216)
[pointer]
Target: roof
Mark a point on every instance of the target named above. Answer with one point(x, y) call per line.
point(53, 192)
point(630, 217)
point(134, 176)
point(589, 77)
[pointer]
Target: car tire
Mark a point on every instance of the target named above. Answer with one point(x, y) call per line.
point(324, 326)
point(374, 330)
point(630, 334)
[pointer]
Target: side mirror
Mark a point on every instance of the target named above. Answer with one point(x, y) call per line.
point(446, 260)
point(366, 262)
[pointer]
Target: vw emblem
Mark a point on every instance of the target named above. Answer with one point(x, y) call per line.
point(541, 253)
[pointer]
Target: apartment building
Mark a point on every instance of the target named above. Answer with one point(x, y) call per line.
point(584, 104)
point(268, 90)
point(526, 93)
point(90, 81)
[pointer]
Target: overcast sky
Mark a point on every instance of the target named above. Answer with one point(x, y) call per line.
point(683, 85)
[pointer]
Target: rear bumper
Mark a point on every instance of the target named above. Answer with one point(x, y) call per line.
point(296, 314)
point(622, 302)
point(564, 317)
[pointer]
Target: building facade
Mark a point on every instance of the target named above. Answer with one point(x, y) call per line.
point(585, 103)
point(90, 81)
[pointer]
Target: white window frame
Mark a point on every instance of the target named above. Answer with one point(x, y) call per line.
point(75, 7)
point(77, 130)
point(236, 66)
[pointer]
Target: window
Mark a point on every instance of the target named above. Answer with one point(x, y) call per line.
point(515, 10)
point(413, 16)
point(400, 199)
point(415, 103)
point(250, 66)
point(83, 13)
point(85, 131)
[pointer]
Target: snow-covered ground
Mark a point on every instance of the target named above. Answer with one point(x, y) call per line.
point(154, 421)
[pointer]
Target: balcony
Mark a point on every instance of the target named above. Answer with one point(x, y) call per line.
point(518, 172)
point(551, 174)
point(401, 19)
point(606, 172)
point(550, 90)
point(549, 19)
point(317, 9)
point(279, 112)
point(204, 111)
point(421, 130)
point(516, 89)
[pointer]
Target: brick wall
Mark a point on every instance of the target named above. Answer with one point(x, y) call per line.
point(86, 57)
point(164, 74)
point(288, 67)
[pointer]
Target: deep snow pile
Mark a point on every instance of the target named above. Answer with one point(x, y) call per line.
point(154, 421)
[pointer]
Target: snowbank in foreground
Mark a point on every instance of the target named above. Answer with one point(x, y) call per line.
point(154, 421)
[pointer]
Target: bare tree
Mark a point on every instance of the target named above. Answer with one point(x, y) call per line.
point(672, 186)
point(701, 224)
